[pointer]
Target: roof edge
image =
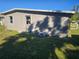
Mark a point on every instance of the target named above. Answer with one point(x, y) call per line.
point(24, 9)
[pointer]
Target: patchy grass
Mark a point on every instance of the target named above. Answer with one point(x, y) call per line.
point(4, 33)
point(15, 45)
point(60, 54)
point(39, 48)
point(75, 32)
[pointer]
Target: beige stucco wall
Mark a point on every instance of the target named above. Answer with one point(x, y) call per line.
point(34, 19)
point(19, 21)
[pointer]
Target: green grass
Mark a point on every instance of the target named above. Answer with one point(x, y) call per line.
point(60, 54)
point(75, 32)
point(15, 45)
point(4, 33)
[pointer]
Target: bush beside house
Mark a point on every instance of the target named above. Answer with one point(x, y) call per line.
point(74, 25)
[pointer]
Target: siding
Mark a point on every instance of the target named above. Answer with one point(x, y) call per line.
point(55, 21)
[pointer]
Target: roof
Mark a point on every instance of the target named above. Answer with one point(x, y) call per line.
point(24, 9)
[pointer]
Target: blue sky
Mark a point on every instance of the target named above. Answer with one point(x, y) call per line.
point(38, 4)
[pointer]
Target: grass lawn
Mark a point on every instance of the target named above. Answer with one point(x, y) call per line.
point(15, 45)
point(75, 32)
point(5, 33)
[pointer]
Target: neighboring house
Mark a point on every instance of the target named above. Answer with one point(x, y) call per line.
point(47, 21)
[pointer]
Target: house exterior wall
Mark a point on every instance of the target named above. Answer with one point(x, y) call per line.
point(18, 22)
point(55, 21)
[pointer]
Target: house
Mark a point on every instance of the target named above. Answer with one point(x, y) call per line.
point(1, 17)
point(30, 20)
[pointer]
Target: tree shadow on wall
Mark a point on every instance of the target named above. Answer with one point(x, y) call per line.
point(57, 24)
point(41, 24)
point(30, 28)
point(58, 28)
point(44, 25)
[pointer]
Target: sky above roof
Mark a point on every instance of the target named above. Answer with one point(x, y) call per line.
point(38, 4)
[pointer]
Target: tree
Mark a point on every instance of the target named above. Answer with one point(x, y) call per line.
point(75, 21)
point(75, 17)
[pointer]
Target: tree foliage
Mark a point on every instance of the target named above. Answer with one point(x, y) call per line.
point(75, 17)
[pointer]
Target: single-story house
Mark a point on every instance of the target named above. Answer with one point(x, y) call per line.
point(31, 20)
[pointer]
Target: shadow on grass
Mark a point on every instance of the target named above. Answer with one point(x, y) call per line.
point(28, 46)
point(73, 53)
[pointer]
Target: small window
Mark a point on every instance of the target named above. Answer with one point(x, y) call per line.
point(28, 19)
point(11, 19)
